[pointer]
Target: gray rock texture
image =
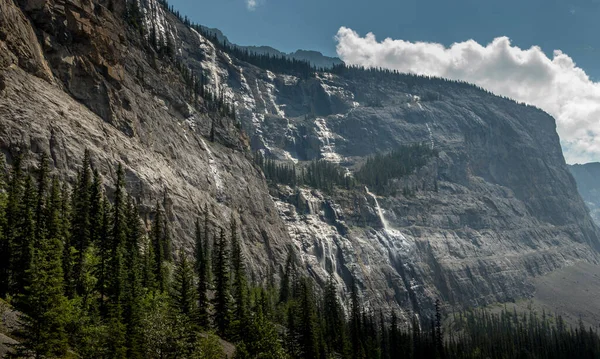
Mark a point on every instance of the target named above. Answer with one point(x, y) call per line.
point(74, 75)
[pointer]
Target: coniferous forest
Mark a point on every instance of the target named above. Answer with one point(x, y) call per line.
point(377, 172)
point(94, 279)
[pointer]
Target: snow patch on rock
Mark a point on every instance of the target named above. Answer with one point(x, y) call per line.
point(289, 80)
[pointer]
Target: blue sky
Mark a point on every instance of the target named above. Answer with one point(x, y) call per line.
point(571, 26)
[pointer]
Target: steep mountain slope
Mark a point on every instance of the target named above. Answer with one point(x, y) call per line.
point(587, 176)
point(75, 77)
point(495, 208)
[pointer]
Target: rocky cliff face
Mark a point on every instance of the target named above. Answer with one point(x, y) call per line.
point(75, 75)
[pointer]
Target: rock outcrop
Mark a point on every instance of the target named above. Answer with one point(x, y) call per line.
point(497, 207)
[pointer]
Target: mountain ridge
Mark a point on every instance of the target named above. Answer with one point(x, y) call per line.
point(315, 58)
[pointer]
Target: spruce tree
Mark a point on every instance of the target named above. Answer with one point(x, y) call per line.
point(207, 246)
point(183, 293)
point(81, 216)
point(158, 249)
point(104, 250)
point(44, 324)
point(4, 235)
point(261, 339)
point(24, 241)
point(69, 259)
point(333, 317)
point(309, 336)
point(355, 325)
point(116, 273)
point(221, 302)
point(292, 330)
point(133, 287)
point(42, 192)
point(117, 342)
point(96, 208)
point(240, 285)
point(148, 268)
point(384, 337)
point(201, 272)
point(287, 278)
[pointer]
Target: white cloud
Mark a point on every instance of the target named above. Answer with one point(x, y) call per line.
point(251, 4)
point(555, 84)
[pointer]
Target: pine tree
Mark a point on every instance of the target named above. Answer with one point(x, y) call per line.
point(201, 267)
point(116, 342)
point(166, 239)
point(240, 285)
point(221, 301)
point(5, 254)
point(158, 249)
point(96, 208)
point(24, 241)
point(148, 271)
point(44, 325)
point(116, 273)
point(333, 317)
point(104, 249)
point(355, 325)
point(69, 252)
point(54, 219)
point(42, 191)
point(183, 292)
point(207, 247)
point(309, 336)
point(118, 237)
point(287, 282)
point(133, 287)
point(81, 216)
point(384, 337)
point(261, 339)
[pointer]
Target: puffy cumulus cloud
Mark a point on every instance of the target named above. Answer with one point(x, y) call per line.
point(555, 84)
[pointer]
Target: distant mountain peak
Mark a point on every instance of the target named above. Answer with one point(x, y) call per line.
point(315, 58)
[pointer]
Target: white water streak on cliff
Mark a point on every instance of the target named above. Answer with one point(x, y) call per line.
point(213, 168)
point(392, 235)
point(430, 135)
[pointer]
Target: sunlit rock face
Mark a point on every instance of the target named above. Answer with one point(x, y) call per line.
point(495, 208)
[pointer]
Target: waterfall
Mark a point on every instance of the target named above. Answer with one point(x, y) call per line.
point(430, 135)
point(379, 210)
point(213, 168)
point(390, 233)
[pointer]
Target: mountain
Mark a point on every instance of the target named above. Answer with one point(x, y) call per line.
point(586, 176)
point(493, 208)
point(315, 58)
